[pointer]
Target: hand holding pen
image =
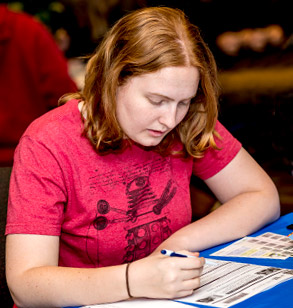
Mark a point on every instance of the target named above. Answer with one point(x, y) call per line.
point(158, 276)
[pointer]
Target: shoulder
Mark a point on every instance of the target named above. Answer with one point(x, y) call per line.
point(214, 160)
point(60, 120)
point(54, 139)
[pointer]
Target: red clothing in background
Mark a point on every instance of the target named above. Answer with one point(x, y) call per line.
point(33, 76)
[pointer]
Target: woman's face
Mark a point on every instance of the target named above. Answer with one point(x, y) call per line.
point(151, 105)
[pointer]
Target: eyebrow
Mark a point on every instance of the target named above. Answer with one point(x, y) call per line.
point(169, 98)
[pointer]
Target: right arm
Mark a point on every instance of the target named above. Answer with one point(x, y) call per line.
point(35, 279)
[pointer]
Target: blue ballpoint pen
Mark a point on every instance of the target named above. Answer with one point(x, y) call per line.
point(171, 253)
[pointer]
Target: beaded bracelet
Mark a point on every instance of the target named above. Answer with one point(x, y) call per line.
point(127, 280)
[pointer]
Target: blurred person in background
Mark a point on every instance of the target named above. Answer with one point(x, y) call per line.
point(34, 75)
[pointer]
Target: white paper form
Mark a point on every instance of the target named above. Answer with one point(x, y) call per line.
point(268, 245)
point(222, 285)
point(229, 283)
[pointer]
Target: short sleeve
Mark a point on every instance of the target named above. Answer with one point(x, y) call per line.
point(37, 192)
point(215, 160)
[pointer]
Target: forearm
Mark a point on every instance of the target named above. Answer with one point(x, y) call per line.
point(60, 287)
point(35, 280)
point(238, 217)
point(156, 276)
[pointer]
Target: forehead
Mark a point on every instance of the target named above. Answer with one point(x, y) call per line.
point(174, 80)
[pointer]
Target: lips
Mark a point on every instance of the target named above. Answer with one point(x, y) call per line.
point(156, 133)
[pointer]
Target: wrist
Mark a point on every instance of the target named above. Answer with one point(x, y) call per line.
point(133, 281)
point(127, 280)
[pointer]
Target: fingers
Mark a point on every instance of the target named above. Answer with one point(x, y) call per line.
point(182, 288)
point(186, 263)
point(190, 253)
point(188, 286)
point(190, 274)
point(185, 275)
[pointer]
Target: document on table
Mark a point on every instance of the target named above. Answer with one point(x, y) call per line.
point(229, 283)
point(222, 285)
point(268, 245)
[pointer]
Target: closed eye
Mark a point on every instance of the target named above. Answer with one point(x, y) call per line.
point(154, 102)
point(184, 103)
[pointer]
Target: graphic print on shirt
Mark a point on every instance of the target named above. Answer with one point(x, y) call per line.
point(144, 224)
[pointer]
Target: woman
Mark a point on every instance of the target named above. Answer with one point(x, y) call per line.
point(103, 181)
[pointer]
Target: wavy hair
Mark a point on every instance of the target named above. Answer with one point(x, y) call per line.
point(141, 42)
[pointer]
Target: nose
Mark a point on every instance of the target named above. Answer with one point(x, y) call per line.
point(168, 116)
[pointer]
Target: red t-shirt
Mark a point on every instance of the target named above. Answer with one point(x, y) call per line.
point(108, 209)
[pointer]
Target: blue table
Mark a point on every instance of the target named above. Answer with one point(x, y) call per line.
point(281, 296)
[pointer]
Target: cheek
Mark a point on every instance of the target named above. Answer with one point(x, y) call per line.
point(142, 114)
point(130, 118)
point(119, 115)
point(181, 114)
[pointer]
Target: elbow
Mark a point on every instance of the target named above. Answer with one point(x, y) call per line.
point(16, 292)
point(277, 208)
point(273, 202)
point(18, 300)
point(14, 297)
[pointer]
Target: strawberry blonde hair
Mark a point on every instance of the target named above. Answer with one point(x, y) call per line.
point(145, 41)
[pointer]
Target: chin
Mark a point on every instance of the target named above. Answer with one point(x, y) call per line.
point(149, 144)
point(152, 144)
